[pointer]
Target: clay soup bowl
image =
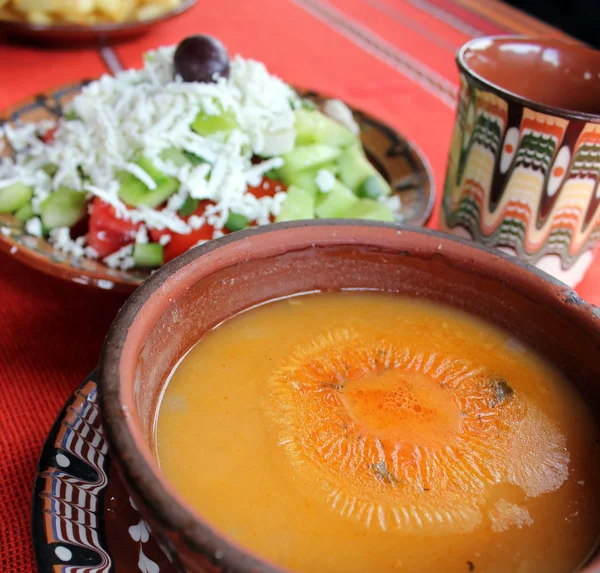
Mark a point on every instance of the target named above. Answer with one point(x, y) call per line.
point(192, 294)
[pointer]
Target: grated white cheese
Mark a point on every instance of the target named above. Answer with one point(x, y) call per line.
point(393, 202)
point(338, 110)
point(254, 174)
point(148, 113)
point(160, 220)
point(62, 241)
point(34, 226)
point(325, 180)
point(111, 197)
point(141, 174)
point(5, 231)
point(121, 259)
point(141, 237)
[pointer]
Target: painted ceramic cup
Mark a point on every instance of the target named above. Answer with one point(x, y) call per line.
point(524, 166)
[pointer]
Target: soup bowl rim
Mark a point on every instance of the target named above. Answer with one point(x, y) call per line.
point(503, 92)
point(133, 455)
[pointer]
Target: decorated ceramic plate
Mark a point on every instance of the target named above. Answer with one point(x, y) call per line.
point(83, 519)
point(395, 158)
point(77, 34)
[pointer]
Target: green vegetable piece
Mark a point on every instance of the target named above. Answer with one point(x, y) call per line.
point(236, 222)
point(193, 158)
point(273, 174)
point(369, 209)
point(308, 104)
point(150, 168)
point(205, 124)
point(50, 169)
point(134, 192)
point(14, 196)
point(148, 255)
point(63, 208)
point(335, 203)
point(355, 168)
point(189, 207)
point(370, 188)
point(307, 180)
point(316, 127)
point(304, 157)
point(25, 212)
point(176, 156)
point(299, 204)
point(71, 115)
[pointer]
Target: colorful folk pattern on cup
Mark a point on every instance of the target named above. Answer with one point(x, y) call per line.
point(521, 179)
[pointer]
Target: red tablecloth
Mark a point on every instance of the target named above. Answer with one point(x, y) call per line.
point(393, 58)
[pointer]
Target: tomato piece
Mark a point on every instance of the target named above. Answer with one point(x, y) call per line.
point(267, 188)
point(48, 137)
point(181, 243)
point(108, 233)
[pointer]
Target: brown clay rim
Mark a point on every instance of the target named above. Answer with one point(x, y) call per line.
point(526, 102)
point(120, 421)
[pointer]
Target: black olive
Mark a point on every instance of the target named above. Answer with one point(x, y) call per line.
point(201, 58)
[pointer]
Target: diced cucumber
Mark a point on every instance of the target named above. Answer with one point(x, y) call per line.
point(176, 156)
point(148, 255)
point(50, 169)
point(304, 157)
point(307, 180)
point(63, 208)
point(355, 168)
point(134, 192)
point(308, 104)
point(316, 127)
point(236, 222)
point(370, 188)
point(13, 197)
point(25, 212)
point(278, 143)
point(336, 202)
point(299, 204)
point(369, 209)
point(206, 124)
point(149, 168)
point(193, 158)
point(189, 207)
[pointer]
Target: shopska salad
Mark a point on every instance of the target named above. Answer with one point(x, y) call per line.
point(151, 162)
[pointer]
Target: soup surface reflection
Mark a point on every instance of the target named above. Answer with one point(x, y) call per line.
point(363, 431)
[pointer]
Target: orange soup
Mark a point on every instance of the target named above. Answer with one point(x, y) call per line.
point(355, 432)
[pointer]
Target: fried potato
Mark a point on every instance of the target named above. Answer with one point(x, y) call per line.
point(36, 17)
point(116, 10)
point(84, 12)
point(152, 10)
point(56, 6)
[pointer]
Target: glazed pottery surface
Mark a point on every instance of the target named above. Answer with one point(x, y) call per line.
point(83, 519)
point(524, 162)
point(169, 313)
